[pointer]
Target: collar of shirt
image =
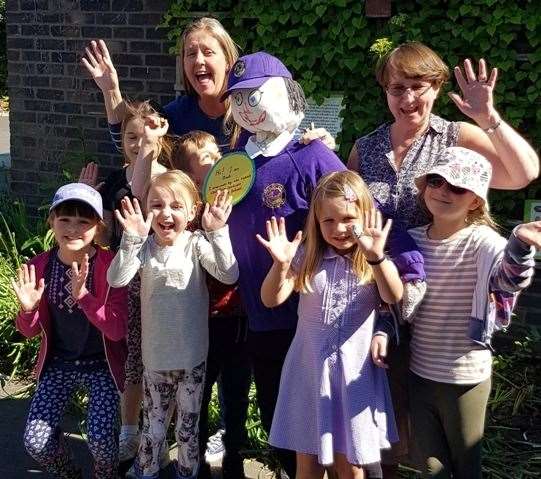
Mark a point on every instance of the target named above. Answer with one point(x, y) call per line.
point(273, 148)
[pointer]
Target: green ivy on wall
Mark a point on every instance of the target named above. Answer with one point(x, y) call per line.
point(331, 46)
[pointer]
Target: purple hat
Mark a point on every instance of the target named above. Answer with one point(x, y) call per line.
point(78, 192)
point(251, 71)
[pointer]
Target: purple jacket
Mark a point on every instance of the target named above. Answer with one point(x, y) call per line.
point(107, 311)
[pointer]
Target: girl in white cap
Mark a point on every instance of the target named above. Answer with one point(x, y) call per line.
point(64, 298)
point(474, 276)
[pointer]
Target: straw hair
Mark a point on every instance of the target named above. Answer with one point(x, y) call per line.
point(231, 52)
point(415, 61)
point(140, 110)
point(178, 183)
point(333, 185)
point(189, 145)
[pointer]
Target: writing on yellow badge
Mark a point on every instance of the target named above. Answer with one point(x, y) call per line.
point(234, 172)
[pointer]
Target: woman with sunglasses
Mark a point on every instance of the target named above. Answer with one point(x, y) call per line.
point(474, 276)
point(390, 158)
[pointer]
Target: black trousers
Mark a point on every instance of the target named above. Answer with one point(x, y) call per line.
point(228, 358)
point(267, 351)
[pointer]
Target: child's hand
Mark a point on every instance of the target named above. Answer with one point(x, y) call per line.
point(99, 65)
point(281, 250)
point(89, 176)
point(78, 279)
point(370, 236)
point(27, 291)
point(155, 128)
point(215, 216)
point(132, 219)
point(530, 233)
point(378, 350)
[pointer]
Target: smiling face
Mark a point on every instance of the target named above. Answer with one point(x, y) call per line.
point(443, 204)
point(205, 64)
point(265, 108)
point(131, 140)
point(74, 233)
point(413, 107)
point(172, 211)
point(336, 216)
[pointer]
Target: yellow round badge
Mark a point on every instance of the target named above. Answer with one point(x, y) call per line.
point(234, 172)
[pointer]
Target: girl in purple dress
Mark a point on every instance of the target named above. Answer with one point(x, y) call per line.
point(334, 407)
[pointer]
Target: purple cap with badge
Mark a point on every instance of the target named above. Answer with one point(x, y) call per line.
point(78, 192)
point(251, 71)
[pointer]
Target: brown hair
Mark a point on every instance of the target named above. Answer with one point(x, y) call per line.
point(333, 185)
point(140, 110)
point(413, 60)
point(190, 144)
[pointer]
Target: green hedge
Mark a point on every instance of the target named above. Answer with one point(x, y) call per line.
point(331, 46)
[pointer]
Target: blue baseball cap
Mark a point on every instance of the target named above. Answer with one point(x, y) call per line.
point(78, 192)
point(251, 71)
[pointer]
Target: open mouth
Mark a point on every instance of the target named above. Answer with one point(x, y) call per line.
point(203, 78)
point(409, 111)
point(167, 226)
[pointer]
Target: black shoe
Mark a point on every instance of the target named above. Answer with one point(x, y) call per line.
point(233, 467)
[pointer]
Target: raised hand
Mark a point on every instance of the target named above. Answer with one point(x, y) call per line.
point(27, 291)
point(371, 236)
point(98, 63)
point(89, 176)
point(477, 101)
point(530, 233)
point(155, 128)
point(280, 248)
point(132, 219)
point(215, 216)
point(78, 278)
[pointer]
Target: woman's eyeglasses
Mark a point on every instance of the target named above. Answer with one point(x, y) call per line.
point(399, 90)
point(437, 181)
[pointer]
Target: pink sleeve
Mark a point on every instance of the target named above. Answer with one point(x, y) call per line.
point(28, 323)
point(110, 317)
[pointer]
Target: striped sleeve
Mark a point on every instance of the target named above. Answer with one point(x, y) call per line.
point(115, 130)
point(516, 269)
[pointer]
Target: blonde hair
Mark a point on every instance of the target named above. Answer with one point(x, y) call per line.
point(479, 216)
point(334, 185)
point(178, 183)
point(413, 60)
point(139, 110)
point(231, 52)
point(191, 144)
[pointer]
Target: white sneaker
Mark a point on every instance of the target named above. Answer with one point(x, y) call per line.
point(128, 444)
point(215, 447)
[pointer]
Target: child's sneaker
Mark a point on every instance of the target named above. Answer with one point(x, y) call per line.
point(215, 447)
point(128, 444)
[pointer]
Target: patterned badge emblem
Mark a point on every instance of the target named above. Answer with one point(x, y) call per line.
point(274, 195)
point(239, 68)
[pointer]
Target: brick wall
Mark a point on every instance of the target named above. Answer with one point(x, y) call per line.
point(57, 114)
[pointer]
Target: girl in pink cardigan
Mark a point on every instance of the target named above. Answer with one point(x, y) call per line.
point(65, 298)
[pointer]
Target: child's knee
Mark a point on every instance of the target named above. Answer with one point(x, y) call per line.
point(38, 437)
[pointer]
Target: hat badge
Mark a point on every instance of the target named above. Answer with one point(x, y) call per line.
point(239, 68)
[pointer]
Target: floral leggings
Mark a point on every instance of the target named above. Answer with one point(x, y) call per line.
point(43, 438)
point(163, 390)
